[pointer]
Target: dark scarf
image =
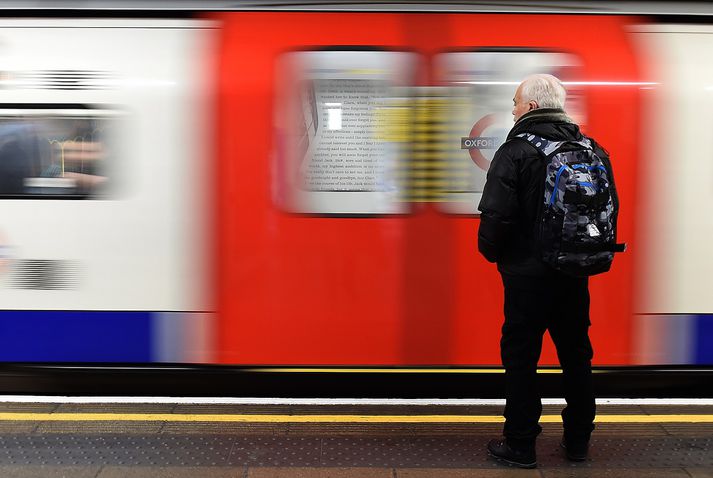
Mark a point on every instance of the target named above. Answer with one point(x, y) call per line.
point(539, 115)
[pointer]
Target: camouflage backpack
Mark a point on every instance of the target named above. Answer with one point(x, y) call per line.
point(577, 220)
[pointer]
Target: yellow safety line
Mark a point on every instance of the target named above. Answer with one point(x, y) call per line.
point(393, 370)
point(253, 418)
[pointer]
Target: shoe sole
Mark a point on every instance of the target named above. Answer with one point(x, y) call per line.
point(571, 457)
point(512, 463)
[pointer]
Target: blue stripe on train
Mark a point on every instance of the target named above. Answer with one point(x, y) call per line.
point(704, 339)
point(75, 336)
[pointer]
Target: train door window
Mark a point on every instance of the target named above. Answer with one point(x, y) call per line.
point(55, 151)
point(334, 154)
point(481, 85)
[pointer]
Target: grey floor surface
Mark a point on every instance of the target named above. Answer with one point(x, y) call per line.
point(115, 449)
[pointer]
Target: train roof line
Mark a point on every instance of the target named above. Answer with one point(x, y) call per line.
point(666, 8)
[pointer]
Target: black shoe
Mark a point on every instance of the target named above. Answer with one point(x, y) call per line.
point(575, 451)
point(501, 451)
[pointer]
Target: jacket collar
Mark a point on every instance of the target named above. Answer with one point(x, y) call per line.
point(545, 114)
point(551, 123)
point(539, 115)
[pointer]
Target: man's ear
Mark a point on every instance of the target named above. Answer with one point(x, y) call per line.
point(532, 105)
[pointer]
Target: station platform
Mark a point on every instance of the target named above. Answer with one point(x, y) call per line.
point(196, 440)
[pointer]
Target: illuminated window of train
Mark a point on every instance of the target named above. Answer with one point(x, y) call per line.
point(333, 154)
point(482, 84)
point(54, 151)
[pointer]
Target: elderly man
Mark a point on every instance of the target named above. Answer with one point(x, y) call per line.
point(537, 296)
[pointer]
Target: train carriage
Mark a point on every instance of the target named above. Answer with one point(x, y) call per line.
point(256, 187)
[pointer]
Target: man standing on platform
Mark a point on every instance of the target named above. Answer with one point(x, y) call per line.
point(529, 179)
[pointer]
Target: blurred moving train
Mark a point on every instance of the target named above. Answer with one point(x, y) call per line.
point(300, 187)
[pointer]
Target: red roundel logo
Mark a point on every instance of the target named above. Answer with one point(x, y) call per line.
point(475, 142)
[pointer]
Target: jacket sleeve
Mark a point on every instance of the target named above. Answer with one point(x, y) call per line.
point(498, 206)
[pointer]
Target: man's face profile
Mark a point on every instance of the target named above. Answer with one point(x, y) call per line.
point(521, 107)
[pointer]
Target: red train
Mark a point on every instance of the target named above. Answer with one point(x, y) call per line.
point(299, 188)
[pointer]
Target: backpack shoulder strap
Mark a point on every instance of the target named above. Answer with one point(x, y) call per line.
point(548, 146)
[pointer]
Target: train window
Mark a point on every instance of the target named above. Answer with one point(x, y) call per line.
point(54, 151)
point(333, 155)
point(482, 84)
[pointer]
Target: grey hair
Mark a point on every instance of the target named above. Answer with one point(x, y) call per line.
point(546, 90)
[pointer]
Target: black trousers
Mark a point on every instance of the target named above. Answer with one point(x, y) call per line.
point(559, 304)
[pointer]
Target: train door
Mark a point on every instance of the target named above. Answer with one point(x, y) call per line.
point(349, 180)
point(595, 57)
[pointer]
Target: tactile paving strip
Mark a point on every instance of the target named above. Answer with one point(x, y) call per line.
point(389, 452)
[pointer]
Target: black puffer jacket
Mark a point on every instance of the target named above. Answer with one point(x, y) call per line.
point(514, 192)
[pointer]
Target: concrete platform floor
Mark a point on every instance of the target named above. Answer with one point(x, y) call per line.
point(196, 441)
